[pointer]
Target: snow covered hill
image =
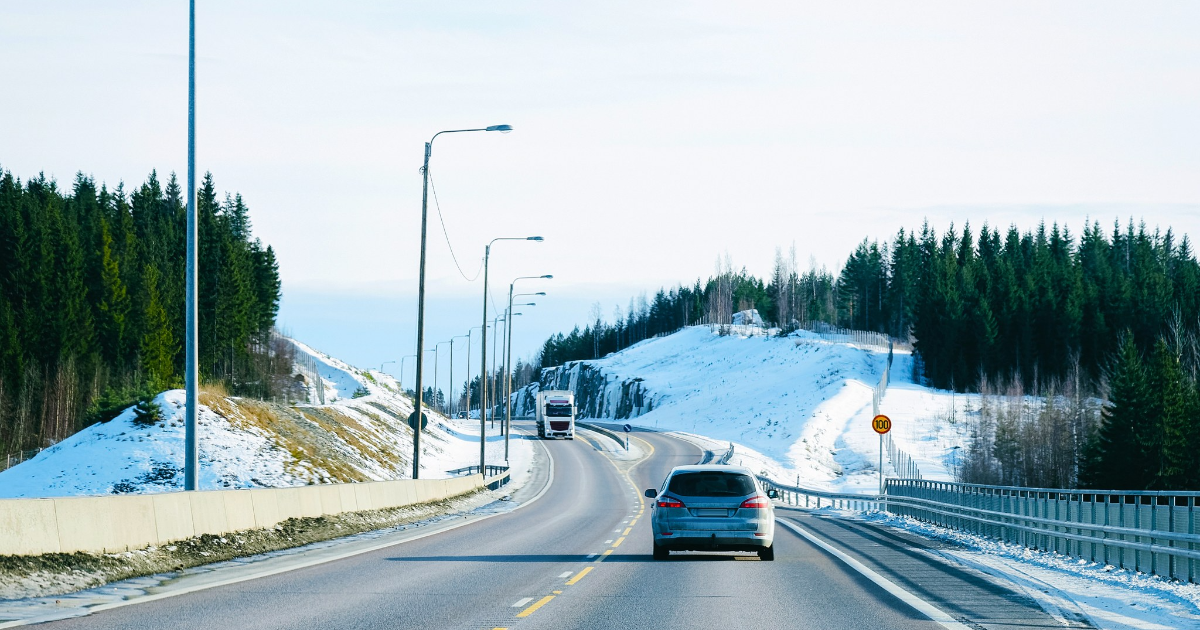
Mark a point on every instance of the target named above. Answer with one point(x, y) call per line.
point(799, 406)
point(248, 443)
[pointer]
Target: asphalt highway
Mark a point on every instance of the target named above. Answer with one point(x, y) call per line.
point(579, 557)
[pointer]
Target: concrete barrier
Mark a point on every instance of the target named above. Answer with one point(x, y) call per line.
point(107, 524)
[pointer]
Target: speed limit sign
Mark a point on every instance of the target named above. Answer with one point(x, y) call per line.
point(882, 424)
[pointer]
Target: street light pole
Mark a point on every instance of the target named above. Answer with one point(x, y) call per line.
point(492, 379)
point(508, 360)
point(191, 361)
point(469, 332)
point(402, 360)
point(453, 400)
point(487, 254)
point(508, 370)
point(417, 402)
point(437, 403)
point(383, 364)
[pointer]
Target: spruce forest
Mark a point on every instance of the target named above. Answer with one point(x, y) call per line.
point(1103, 325)
point(92, 301)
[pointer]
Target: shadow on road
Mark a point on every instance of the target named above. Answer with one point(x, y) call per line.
point(689, 557)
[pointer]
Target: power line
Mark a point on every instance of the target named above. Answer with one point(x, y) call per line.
point(446, 233)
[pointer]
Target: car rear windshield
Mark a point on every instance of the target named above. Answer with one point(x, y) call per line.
point(711, 484)
point(558, 411)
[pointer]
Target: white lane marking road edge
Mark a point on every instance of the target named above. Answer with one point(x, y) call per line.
point(922, 606)
point(521, 602)
point(321, 559)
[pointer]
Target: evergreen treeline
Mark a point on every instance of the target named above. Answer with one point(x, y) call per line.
point(789, 296)
point(1026, 305)
point(1040, 312)
point(92, 300)
point(1148, 438)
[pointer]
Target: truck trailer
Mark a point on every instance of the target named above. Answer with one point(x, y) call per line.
point(556, 414)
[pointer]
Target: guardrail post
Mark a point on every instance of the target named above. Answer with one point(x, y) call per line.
point(1191, 528)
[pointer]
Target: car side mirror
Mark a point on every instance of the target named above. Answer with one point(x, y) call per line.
point(772, 493)
point(652, 493)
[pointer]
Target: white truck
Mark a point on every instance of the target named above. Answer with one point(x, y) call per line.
point(556, 414)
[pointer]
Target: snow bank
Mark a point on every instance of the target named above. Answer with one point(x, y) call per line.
point(798, 407)
point(248, 444)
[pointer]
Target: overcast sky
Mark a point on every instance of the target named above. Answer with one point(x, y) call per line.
point(649, 137)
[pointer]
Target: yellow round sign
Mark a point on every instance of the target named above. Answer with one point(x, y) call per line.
point(882, 424)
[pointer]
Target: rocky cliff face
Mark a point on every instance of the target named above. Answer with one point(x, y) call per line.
point(597, 395)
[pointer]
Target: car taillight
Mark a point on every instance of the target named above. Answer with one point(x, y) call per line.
point(757, 502)
point(671, 502)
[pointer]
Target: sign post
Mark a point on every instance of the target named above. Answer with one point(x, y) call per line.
point(882, 424)
point(627, 430)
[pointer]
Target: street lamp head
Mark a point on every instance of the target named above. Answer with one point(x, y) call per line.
point(500, 128)
point(538, 293)
point(535, 238)
point(548, 277)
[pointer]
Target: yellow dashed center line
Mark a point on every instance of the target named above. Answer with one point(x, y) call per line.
point(618, 543)
point(534, 606)
point(627, 530)
point(579, 576)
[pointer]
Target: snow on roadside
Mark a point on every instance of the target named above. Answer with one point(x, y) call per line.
point(248, 444)
point(797, 406)
point(798, 410)
point(1107, 596)
point(124, 455)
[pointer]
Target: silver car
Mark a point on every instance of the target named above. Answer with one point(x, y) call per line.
point(712, 508)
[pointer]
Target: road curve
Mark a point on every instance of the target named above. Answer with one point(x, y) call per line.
point(579, 557)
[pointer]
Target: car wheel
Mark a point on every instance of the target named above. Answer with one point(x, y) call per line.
point(661, 552)
point(767, 553)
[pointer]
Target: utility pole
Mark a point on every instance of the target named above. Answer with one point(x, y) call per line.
point(417, 402)
point(191, 457)
point(453, 400)
point(487, 254)
point(508, 359)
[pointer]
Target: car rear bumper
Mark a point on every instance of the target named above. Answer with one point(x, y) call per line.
point(700, 540)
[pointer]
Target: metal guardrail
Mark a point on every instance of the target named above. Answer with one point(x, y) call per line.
point(1151, 532)
point(500, 474)
point(801, 497)
point(601, 430)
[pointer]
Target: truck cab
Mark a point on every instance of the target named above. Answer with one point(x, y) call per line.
point(556, 414)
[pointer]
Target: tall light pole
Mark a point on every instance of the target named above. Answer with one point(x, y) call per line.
point(191, 360)
point(436, 401)
point(416, 461)
point(487, 254)
point(501, 373)
point(492, 380)
point(508, 359)
point(402, 360)
point(469, 332)
point(507, 369)
point(453, 400)
point(383, 364)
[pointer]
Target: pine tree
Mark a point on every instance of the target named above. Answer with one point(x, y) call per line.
point(157, 349)
point(1170, 447)
point(113, 303)
point(1115, 462)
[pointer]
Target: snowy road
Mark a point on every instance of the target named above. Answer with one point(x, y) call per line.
point(579, 557)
